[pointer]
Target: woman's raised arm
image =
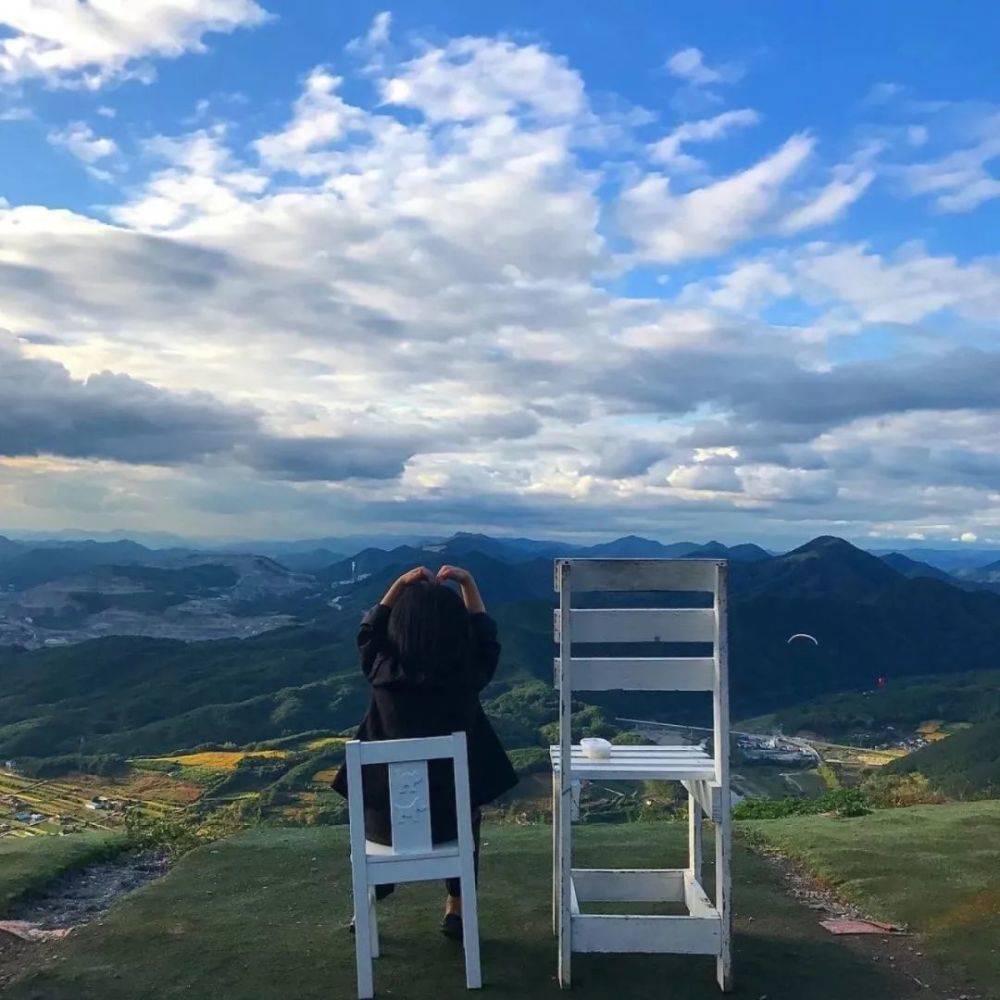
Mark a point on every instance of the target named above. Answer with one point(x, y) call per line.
point(470, 592)
point(410, 576)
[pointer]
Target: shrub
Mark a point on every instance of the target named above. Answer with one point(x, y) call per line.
point(886, 790)
point(529, 760)
point(631, 740)
point(844, 802)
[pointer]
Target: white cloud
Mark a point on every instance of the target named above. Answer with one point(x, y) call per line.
point(776, 483)
point(471, 78)
point(959, 181)
point(668, 149)
point(321, 117)
point(904, 289)
point(88, 44)
point(80, 139)
point(378, 33)
point(710, 219)
point(689, 65)
point(201, 181)
point(828, 204)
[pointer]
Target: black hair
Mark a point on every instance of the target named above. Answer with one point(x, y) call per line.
point(430, 630)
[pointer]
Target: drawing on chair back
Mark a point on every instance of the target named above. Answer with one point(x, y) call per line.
point(410, 797)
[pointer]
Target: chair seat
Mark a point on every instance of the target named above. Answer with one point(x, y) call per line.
point(627, 763)
point(383, 852)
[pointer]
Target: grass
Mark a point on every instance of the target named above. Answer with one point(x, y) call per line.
point(934, 868)
point(28, 864)
point(261, 915)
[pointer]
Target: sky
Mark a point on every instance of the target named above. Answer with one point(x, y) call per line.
point(691, 270)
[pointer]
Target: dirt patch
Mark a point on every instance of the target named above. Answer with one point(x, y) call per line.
point(902, 954)
point(75, 898)
point(79, 896)
point(15, 956)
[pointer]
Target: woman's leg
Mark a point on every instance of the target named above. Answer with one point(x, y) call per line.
point(454, 885)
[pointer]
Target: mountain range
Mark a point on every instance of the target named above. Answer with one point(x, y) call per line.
point(294, 667)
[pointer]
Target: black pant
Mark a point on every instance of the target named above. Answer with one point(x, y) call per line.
point(453, 885)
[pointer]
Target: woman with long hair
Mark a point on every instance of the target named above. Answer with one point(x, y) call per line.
point(428, 650)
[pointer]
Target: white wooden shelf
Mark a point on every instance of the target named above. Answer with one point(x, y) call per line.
point(706, 927)
point(682, 763)
point(698, 932)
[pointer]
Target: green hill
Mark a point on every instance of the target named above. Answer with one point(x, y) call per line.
point(966, 765)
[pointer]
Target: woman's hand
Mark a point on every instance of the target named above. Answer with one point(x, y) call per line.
point(470, 592)
point(456, 573)
point(413, 575)
point(410, 576)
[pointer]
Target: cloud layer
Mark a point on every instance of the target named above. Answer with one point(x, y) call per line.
point(431, 309)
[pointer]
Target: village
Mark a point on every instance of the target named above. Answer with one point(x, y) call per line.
point(44, 807)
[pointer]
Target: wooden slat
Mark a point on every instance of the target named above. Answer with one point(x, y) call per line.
point(642, 574)
point(415, 871)
point(642, 673)
point(645, 753)
point(635, 755)
point(639, 624)
point(398, 751)
point(645, 934)
point(637, 885)
point(694, 770)
point(698, 904)
point(706, 794)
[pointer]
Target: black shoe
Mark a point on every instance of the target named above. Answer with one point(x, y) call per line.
point(451, 926)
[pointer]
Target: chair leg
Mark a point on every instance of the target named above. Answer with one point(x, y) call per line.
point(373, 921)
point(362, 936)
point(694, 837)
point(556, 867)
point(565, 877)
point(470, 932)
point(723, 894)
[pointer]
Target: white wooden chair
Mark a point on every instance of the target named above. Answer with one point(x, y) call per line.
point(413, 857)
point(706, 928)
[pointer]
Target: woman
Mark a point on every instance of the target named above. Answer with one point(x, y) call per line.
point(427, 653)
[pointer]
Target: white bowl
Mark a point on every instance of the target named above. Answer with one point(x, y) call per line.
point(595, 748)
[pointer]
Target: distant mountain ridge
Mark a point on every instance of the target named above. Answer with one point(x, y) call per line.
point(134, 695)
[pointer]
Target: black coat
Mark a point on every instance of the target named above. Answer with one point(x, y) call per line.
point(405, 706)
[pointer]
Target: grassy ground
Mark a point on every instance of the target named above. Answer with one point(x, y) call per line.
point(262, 915)
point(27, 864)
point(935, 868)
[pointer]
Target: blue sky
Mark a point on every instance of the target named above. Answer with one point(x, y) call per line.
point(690, 270)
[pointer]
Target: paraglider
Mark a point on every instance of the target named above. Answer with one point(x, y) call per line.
point(802, 635)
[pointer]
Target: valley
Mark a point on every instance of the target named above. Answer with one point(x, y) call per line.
point(180, 705)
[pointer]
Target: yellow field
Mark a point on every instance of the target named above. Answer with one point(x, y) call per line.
point(845, 756)
point(217, 760)
point(324, 741)
point(68, 795)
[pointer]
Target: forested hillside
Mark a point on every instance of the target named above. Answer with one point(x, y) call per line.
point(139, 696)
point(964, 766)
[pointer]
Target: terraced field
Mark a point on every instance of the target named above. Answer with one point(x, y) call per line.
point(65, 802)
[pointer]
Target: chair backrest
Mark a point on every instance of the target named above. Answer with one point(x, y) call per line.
point(628, 625)
point(409, 785)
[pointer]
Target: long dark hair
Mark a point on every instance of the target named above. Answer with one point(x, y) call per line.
point(430, 630)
